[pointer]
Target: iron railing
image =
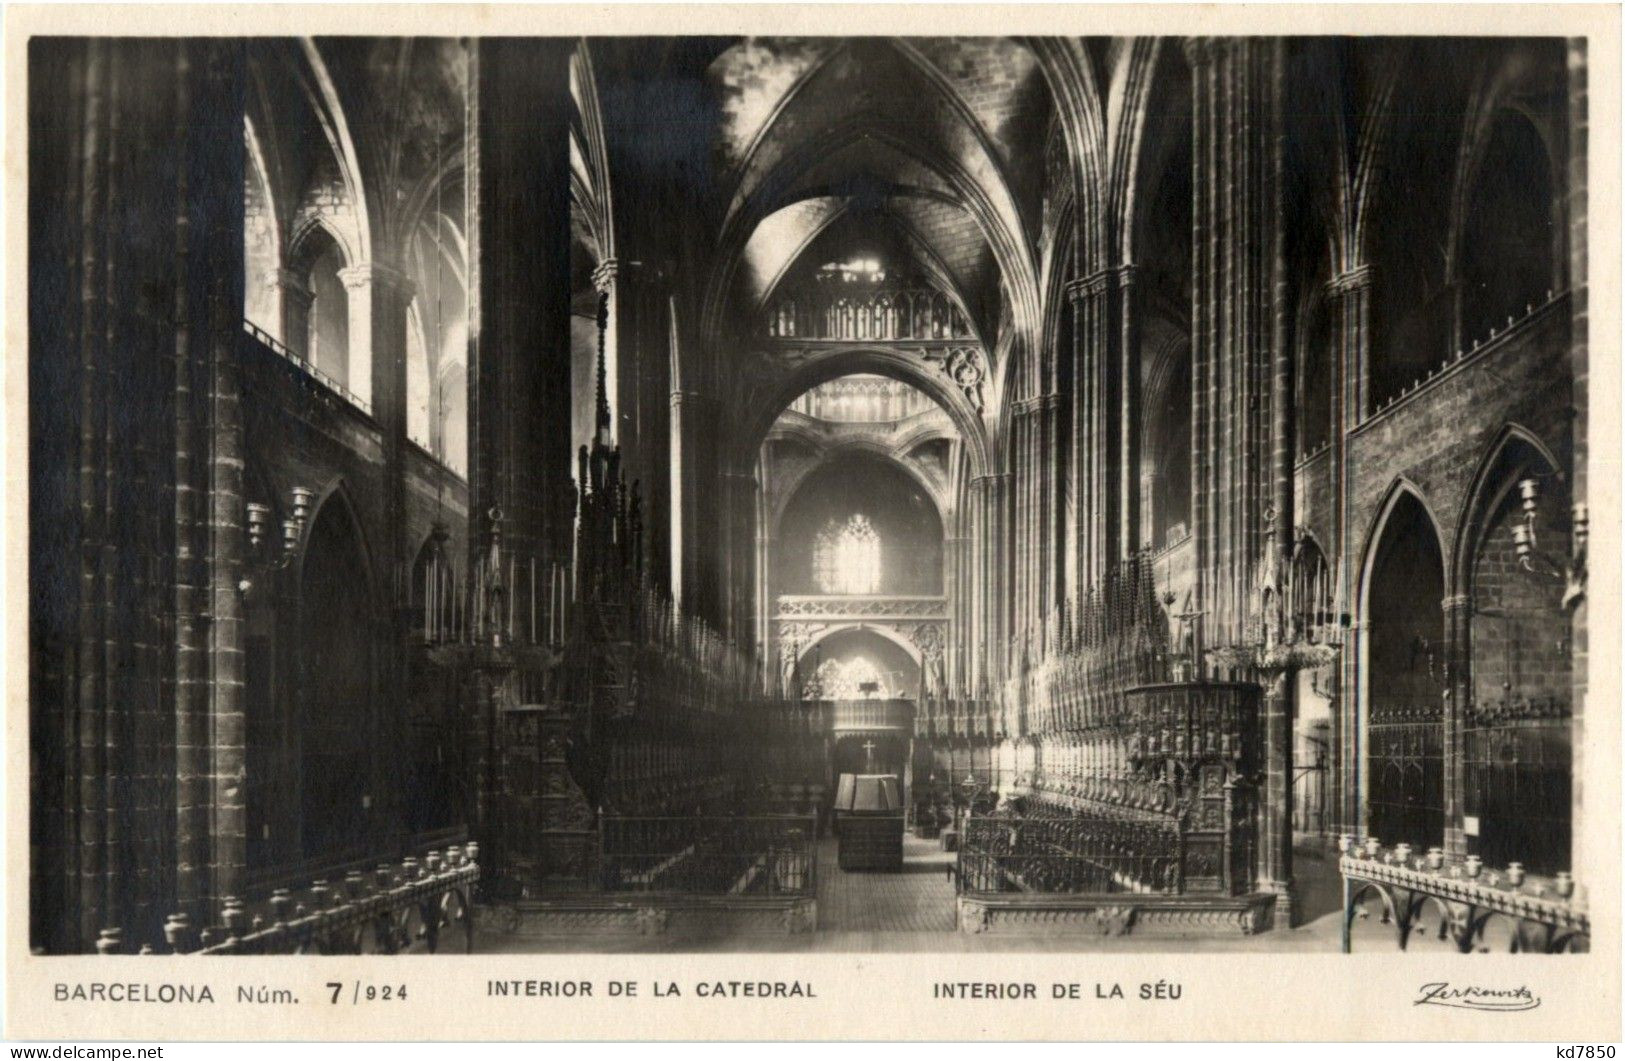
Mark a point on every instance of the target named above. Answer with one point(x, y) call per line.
point(394, 909)
point(1396, 899)
point(755, 856)
point(276, 346)
point(1070, 855)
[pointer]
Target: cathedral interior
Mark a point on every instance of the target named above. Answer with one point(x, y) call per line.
point(552, 493)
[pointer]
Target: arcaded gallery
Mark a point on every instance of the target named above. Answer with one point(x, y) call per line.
point(840, 493)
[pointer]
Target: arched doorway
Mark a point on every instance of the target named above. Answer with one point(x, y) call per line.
point(1405, 663)
point(335, 687)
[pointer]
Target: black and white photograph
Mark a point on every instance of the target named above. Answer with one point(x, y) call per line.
point(756, 494)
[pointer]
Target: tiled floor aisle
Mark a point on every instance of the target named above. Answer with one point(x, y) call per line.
point(919, 899)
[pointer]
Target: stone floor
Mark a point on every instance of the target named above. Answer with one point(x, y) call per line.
point(914, 911)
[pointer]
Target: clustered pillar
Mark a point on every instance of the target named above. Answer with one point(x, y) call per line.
point(137, 801)
point(1241, 381)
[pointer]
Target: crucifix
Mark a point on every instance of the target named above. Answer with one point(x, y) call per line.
point(869, 756)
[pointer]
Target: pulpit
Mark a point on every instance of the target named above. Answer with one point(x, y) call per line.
point(869, 822)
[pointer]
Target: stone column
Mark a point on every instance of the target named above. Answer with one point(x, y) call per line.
point(698, 535)
point(379, 296)
point(1349, 297)
point(1275, 839)
point(293, 298)
point(766, 644)
point(137, 804)
point(1105, 379)
point(1241, 446)
point(611, 278)
point(953, 547)
point(1089, 329)
point(517, 154)
point(679, 527)
point(993, 593)
point(1021, 472)
point(1129, 414)
point(1458, 691)
point(1580, 362)
point(739, 499)
point(518, 148)
point(1236, 214)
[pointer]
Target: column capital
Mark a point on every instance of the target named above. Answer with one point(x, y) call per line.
point(1457, 602)
point(1355, 279)
point(610, 272)
point(1101, 281)
point(680, 398)
point(375, 274)
point(1087, 286)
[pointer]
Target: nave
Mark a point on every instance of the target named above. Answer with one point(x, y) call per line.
point(570, 480)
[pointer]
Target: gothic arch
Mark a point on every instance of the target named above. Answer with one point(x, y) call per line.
point(1071, 81)
point(587, 137)
point(1485, 485)
point(337, 495)
point(329, 106)
point(337, 685)
point(822, 366)
point(1401, 488)
point(1402, 663)
point(1515, 677)
point(307, 235)
point(885, 630)
point(1010, 248)
point(871, 448)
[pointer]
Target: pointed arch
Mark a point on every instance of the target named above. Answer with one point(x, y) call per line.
point(1399, 490)
point(1072, 85)
point(1486, 482)
point(335, 125)
point(1402, 656)
point(829, 454)
point(589, 135)
point(1516, 677)
point(890, 633)
point(336, 683)
point(826, 364)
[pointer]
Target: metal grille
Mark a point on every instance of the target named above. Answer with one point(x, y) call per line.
point(1407, 773)
point(1518, 787)
point(767, 856)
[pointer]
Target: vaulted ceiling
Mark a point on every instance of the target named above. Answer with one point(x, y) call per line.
point(824, 145)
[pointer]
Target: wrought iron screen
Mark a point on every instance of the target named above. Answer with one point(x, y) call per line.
point(1519, 790)
point(1407, 772)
